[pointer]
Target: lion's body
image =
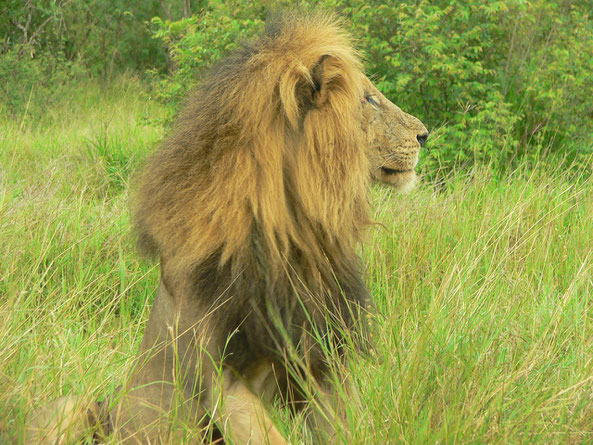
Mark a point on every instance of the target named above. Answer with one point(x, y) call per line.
point(255, 206)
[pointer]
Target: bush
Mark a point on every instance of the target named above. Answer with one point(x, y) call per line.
point(547, 76)
point(497, 81)
point(195, 42)
point(47, 44)
point(31, 83)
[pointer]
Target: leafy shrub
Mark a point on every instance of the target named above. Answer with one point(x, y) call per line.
point(104, 37)
point(195, 42)
point(28, 84)
point(547, 76)
point(498, 81)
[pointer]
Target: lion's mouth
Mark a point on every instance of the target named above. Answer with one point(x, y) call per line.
point(402, 179)
point(392, 171)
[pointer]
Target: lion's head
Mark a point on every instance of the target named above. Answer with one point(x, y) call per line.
point(394, 139)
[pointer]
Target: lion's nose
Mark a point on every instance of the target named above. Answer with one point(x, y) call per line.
point(422, 138)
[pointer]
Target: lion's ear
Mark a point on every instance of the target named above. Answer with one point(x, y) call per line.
point(307, 88)
point(320, 81)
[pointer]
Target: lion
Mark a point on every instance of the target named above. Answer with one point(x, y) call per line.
point(255, 205)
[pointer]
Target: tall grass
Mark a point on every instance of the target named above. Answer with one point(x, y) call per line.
point(72, 290)
point(484, 311)
point(483, 320)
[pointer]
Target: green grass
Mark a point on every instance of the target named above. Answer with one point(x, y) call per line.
point(483, 328)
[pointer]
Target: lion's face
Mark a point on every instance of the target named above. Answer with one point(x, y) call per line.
point(393, 139)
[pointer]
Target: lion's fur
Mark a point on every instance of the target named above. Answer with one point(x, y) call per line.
point(249, 150)
point(260, 178)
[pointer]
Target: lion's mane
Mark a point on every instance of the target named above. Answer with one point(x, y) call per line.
point(260, 192)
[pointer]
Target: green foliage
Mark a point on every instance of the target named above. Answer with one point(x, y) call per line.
point(110, 152)
point(105, 36)
point(48, 43)
point(547, 76)
point(25, 75)
point(196, 42)
point(486, 77)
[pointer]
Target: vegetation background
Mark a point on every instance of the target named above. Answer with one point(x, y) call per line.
point(482, 277)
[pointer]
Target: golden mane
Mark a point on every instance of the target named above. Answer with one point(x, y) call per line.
point(255, 151)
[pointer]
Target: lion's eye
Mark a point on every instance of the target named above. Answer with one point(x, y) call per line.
point(371, 99)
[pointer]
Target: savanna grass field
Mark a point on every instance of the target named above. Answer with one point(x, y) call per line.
point(481, 277)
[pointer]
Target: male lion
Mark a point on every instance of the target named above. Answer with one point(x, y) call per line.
point(255, 206)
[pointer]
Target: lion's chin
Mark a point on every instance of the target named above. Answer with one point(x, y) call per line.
point(402, 181)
